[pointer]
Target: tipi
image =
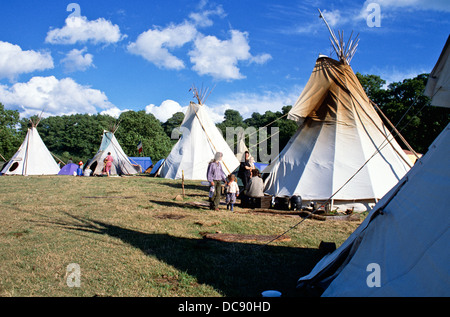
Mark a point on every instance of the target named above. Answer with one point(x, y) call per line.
point(33, 157)
point(401, 248)
point(199, 142)
point(121, 164)
point(342, 152)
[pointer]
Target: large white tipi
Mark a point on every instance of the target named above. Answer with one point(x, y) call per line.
point(32, 158)
point(342, 152)
point(121, 164)
point(199, 142)
point(401, 248)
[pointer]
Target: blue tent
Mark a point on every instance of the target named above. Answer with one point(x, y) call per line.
point(144, 162)
point(156, 167)
point(261, 166)
point(68, 169)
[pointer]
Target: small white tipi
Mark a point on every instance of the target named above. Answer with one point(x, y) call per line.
point(121, 164)
point(199, 142)
point(32, 158)
point(401, 248)
point(342, 149)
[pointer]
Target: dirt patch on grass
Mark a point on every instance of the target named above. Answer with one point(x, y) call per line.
point(170, 216)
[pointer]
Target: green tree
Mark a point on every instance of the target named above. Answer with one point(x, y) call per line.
point(76, 136)
point(373, 86)
point(270, 120)
point(140, 126)
point(173, 123)
point(9, 136)
point(232, 119)
point(406, 107)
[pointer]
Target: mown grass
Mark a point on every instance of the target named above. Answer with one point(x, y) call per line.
point(132, 238)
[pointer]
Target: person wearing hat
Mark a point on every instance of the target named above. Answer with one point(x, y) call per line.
point(80, 169)
point(215, 176)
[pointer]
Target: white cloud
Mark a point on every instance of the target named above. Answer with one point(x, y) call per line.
point(248, 103)
point(244, 102)
point(79, 30)
point(220, 58)
point(113, 112)
point(414, 5)
point(56, 97)
point(166, 110)
point(209, 55)
point(15, 61)
point(333, 17)
point(154, 44)
point(435, 5)
point(202, 18)
point(76, 61)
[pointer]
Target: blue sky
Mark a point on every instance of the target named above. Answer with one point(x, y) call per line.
point(112, 56)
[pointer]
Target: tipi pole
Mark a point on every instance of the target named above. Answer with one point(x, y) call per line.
point(182, 182)
point(395, 129)
point(57, 158)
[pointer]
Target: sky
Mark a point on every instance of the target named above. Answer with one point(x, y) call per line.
point(68, 57)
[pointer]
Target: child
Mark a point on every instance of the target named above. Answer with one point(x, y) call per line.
point(232, 192)
point(80, 169)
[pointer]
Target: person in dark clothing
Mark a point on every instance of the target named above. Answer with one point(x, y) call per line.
point(245, 170)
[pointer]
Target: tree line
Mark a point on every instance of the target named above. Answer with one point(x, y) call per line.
point(78, 136)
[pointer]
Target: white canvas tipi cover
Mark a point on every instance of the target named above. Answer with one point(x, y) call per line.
point(121, 164)
point(401, 248)
point(32, 158)
point(438, 85)
point(404, 239)
point(199, 142)
point(341, 141)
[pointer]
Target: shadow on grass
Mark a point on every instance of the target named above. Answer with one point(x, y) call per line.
point(233, 269)
point(175, 204)
point(186, 186)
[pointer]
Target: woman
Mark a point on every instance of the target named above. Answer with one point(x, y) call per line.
point(255, 187)
point(215, 175)
point(108, 163)
point(245, 170)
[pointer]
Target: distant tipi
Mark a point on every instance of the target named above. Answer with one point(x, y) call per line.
point(342, 153)
point(199, 142)
point(33, 157)
point(121, 164)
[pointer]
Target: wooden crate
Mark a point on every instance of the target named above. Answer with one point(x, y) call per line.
point(264, 202)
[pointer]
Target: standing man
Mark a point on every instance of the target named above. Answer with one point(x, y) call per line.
point(215, 175)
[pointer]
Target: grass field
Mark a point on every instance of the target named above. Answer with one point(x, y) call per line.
point(132, 238)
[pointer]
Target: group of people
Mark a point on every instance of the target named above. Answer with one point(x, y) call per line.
point(108, 161)
point(251, 179)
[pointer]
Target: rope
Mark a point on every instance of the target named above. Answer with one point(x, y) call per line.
point(367, 161)
point(329, 199)
point(269, 124)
